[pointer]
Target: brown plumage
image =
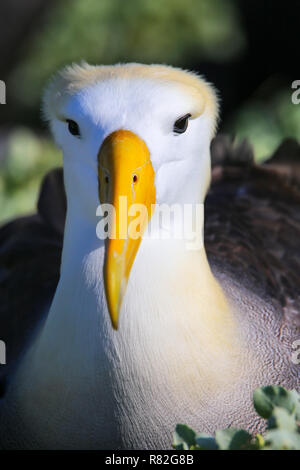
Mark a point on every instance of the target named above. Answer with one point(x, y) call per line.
point(30, 252)
point(252, 221)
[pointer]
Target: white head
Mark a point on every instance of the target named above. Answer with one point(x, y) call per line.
point(171, 113)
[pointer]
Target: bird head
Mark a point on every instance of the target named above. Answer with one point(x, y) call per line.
point(133, 131)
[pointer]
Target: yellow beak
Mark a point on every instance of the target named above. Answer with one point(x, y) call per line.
point(126, 178)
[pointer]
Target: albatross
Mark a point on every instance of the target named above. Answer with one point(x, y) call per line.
point(145, 332)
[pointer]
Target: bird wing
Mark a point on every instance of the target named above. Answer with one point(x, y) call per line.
point(30, 253)
point(252, 221)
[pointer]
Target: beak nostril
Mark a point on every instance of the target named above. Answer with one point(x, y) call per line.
point(106, 179)
point(134, 178)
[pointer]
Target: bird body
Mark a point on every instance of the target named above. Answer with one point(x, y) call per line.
point(192, 341)
point(131, 389)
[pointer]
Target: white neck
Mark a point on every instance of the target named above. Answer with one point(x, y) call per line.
point(174, 325)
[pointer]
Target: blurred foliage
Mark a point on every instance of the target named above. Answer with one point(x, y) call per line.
point(109, 31)
point(266, 123)
point(27, 158)
point(276, 404)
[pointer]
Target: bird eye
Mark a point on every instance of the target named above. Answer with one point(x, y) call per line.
point(73, 127)
point(181, 124)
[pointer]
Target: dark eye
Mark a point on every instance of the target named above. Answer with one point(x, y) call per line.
point(181, 124)
point(73, 127)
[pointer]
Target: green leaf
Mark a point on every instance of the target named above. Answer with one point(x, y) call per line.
point(282, 419)
point(259, 442)
point(184, 437)
point(281, 439)
point(267, 398)
point(280, 406)
point(206, 442)
point(233, 439)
